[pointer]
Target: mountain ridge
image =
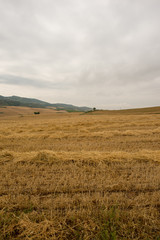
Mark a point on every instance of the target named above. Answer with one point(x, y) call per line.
point(36, 103)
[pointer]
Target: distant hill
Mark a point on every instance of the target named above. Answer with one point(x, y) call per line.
point(35, 103)
point(133, 111)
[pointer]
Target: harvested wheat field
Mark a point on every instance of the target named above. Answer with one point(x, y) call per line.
point(80, 176)
point(9, 111)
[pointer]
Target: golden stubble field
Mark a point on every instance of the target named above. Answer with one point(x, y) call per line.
point(80, 176)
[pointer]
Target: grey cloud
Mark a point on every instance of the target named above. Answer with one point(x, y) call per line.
point(16, 80)
point(23, 81)
point(108, 48)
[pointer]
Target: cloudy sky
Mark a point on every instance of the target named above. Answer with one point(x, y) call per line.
point(98, 53)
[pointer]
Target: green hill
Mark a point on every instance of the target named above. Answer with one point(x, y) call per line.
point(36, 103)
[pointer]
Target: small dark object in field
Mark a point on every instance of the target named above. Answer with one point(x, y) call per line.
point(36, 112)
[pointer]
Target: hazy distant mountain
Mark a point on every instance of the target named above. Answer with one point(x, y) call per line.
point(35, 103)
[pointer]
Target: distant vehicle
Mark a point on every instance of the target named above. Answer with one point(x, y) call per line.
point(36, 112)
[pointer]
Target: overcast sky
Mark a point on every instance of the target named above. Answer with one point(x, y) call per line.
point(98, 53)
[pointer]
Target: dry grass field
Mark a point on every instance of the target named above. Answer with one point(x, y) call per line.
point(80, 176)
point(9, 111)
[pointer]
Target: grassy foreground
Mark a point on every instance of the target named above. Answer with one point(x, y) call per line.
point(72, 176)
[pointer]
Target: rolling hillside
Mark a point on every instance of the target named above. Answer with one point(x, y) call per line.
point(134, 111)
point(9, 111)
point(35, 103)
